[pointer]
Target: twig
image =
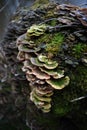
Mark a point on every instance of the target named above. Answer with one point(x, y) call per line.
point(57, 28)
point(48, 20)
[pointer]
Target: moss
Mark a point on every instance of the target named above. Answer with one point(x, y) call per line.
point(60, 105)
point(78, 84)
point(45, 38)
point(40, 3)
point(55, 44)
point(60, 110)
point(52, 42)
point(47, 122)
point(78, 49)
point(53, 23)
point(81, 79)
point(49, 14)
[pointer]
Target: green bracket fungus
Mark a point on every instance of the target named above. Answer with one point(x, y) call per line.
point(59, 83)
point(46, 60)
point(35, 62)
point(47, 92)
point(36, 30)
point(42, 100)
point(50, 40)
point(56, 74)
point(21, 56)
point(42, 72)
point(42, 58)
point(47, 64)
point(27, 49)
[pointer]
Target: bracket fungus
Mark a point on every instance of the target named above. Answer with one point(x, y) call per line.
point(42, 72)
point(42, 98)
point(47, 64)
point(51, 40)
point(59, 83)
point(36, 30)
point(54, 73)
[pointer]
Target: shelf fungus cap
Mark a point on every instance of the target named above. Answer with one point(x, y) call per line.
point(20, 39)
point(37, 102)
point(45, 59)
point(27, 56)
point(36, 30)
point(27, 66)
point(58, 83)
point(30, 77)
point(40, 98)
point(26, 49)
point(39, 74)
point(46, 108)
point(56, 74)
point(42, 58)
point(49, 64)
point(45, 92)
point(36, 62)
point(21, 56)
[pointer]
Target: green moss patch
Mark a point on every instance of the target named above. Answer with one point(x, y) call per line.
point(79, 49)
point(55, 44)
point(39, 3)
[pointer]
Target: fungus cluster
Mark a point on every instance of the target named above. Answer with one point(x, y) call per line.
point(42, 72)
point(36, 30)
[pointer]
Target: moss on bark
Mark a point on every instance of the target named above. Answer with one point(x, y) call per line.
point(68, 49)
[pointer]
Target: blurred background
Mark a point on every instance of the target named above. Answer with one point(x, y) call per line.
point(8, 8)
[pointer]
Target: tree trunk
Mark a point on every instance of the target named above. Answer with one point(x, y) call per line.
point(60, 34)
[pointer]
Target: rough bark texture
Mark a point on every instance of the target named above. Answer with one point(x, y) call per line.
point(69, 108)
